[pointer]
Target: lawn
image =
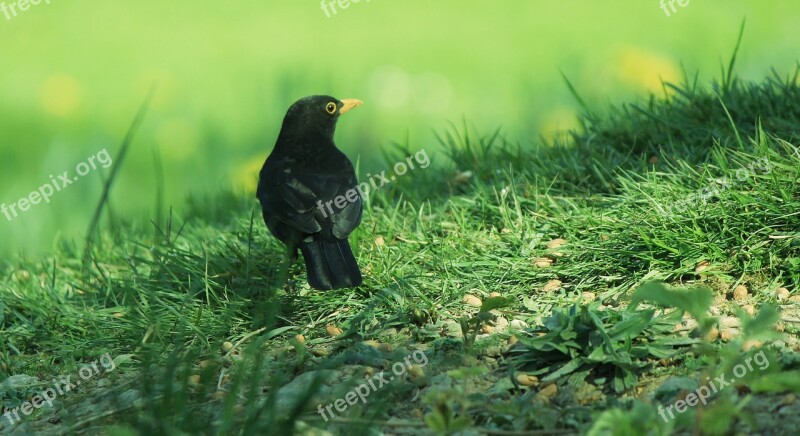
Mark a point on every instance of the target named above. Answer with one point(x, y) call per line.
point(600, 282)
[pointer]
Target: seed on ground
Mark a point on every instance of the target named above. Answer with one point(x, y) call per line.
point(781, 294)
point(740, 293)
point(416, 371)
point(333, 330)
point(555, 243)
point(751, 343)
point(547, 393)
point(518, 324)
point(472, 300)
point(527, 380)
point(372, 343)
point(462, 177)
point(712, 334)
point(321, 351)
point(23, 275)
point(730, 322)
point(728, 334)
point(378, 345)
point(552, 285)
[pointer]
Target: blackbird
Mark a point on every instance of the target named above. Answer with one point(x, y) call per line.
point(304, 172)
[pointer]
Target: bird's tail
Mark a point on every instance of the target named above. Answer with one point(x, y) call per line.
point(330, 264)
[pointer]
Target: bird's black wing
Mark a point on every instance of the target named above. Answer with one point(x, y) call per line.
point(299, 198)
point(345, 220)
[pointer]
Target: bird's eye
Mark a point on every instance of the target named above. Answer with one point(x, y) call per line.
point(331, 108)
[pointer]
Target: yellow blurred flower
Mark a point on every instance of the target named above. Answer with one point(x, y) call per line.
point(61, 95)
point(646, 70)
point(246, 176)
point(558, 123)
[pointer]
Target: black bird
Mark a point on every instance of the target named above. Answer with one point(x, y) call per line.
point(306, 192)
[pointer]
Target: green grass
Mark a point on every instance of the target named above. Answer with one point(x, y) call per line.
point(169, 295)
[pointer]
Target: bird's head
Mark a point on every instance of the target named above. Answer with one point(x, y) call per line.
point(315, 117)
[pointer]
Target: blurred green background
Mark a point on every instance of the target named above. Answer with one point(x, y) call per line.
point(74, 73)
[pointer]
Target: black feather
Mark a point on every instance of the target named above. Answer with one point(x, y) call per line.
point(330, 264)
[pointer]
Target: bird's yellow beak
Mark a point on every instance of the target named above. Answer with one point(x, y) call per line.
point(350, 103)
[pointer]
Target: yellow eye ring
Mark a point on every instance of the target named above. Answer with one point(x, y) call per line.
point(331, 108)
